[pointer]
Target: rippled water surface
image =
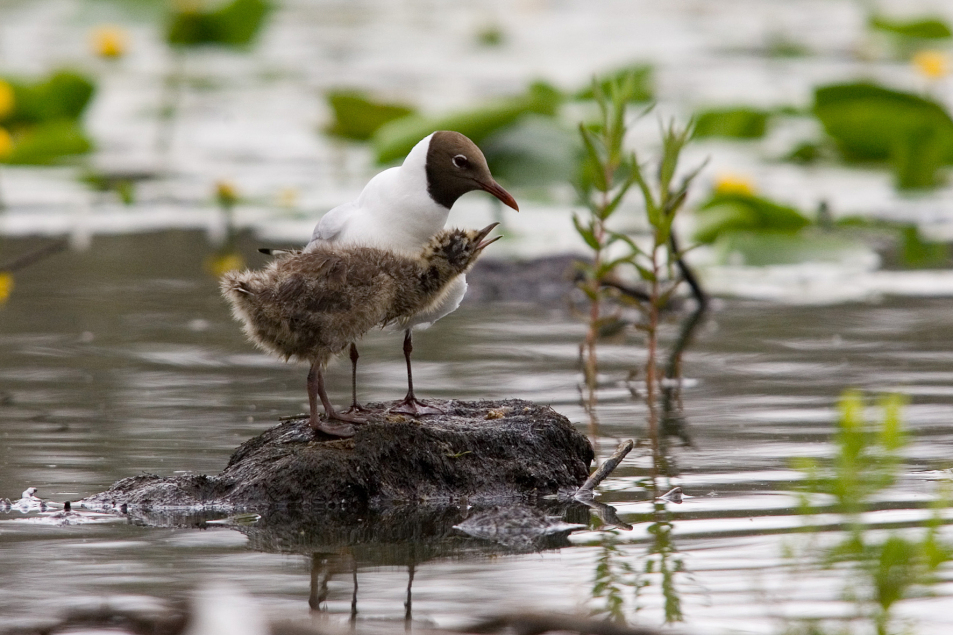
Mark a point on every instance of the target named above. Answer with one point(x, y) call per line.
point(112, 366)
point(118, 357)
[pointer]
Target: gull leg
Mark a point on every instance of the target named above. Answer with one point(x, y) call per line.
point(316, 391)
point(355, 407)
point(410, 405)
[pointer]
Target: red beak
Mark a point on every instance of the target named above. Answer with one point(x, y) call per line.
point(505, 197)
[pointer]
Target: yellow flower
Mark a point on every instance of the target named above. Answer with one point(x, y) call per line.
point(109, 41)
point(727, 183)
point(932, 64)
point(7, 102)
point(219, 264)
point(226, 193)
point(6, 285)
point(6, 144)
point(288, 197)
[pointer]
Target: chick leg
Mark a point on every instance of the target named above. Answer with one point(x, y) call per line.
point(410, 405)
point(315, 391)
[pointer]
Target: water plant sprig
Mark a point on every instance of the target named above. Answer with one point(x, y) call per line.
point(608, 173)
point(866, 463)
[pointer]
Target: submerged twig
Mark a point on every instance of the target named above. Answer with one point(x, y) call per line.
point(34, 256)
point(586, 491)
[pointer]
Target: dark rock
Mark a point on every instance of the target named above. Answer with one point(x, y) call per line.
point(544, 281)
point(489, 451)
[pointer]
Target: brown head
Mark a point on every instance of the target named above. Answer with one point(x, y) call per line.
point(455, 166)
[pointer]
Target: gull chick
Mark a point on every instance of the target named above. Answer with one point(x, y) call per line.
point(310, 305)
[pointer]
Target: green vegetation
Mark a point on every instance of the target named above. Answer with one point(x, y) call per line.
point(736, 123)
point(607, 173)
point(43, 116)
point(394, 139)
point(737, 211)
point(357, 116)
point(871, 123)
point(927, 28)
point(235, 24)
point(883, 571)
point(639, 78)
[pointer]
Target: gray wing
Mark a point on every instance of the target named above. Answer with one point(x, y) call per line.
point(332, 224)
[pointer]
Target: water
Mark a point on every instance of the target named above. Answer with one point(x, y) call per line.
point(114, 365)
point(117, 357)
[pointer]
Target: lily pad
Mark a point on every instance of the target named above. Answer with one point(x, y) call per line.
point(47, 142)
point(63, 95)
point(873, 123)
point(235, 24)
point(733, 212)
point(535, 150)
point(927, 28)
point(357, 116)
point(758, 249)
point(736, 123)
point(395, 139)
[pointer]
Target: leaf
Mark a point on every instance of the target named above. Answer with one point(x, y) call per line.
point(640, 89)
point(924, 28)
point(396, 138)
point(63, 95)
point(645, 273)
point(46, 143)
point(594, 165)
point(357, 116)
point(872, 123)
point(587, 233)
point(737, 211)
point(235, 24)
point(734, 123)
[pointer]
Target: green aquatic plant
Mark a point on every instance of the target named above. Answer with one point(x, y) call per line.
point(924, 28)
point(725, 212)
point(866, 463)
point(395, 139)
point(41, 118)
point(870, 123)
point(741, 122)
point(358, 116)
point(619, 585)
point(607, 173)
point(235, 24)
point(640, 79)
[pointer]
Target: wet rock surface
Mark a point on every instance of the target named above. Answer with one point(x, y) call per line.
point(484, 451)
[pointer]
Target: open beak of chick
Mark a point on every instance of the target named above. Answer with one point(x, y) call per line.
point(483, 233)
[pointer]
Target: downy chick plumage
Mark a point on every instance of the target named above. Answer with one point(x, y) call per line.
point(309, 306)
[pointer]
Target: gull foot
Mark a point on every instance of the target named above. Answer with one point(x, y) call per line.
point(415, 408)
point(356, 407)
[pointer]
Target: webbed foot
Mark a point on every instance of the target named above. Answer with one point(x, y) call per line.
point(415, 408)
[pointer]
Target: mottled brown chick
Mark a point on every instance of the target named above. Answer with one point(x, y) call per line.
point(309, 306)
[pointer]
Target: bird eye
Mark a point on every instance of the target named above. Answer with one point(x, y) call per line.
point(461, 161)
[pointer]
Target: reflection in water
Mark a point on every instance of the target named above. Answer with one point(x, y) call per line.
point(613, 572)
point(122, 359)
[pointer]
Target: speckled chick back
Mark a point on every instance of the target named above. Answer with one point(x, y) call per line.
point(309, 306)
